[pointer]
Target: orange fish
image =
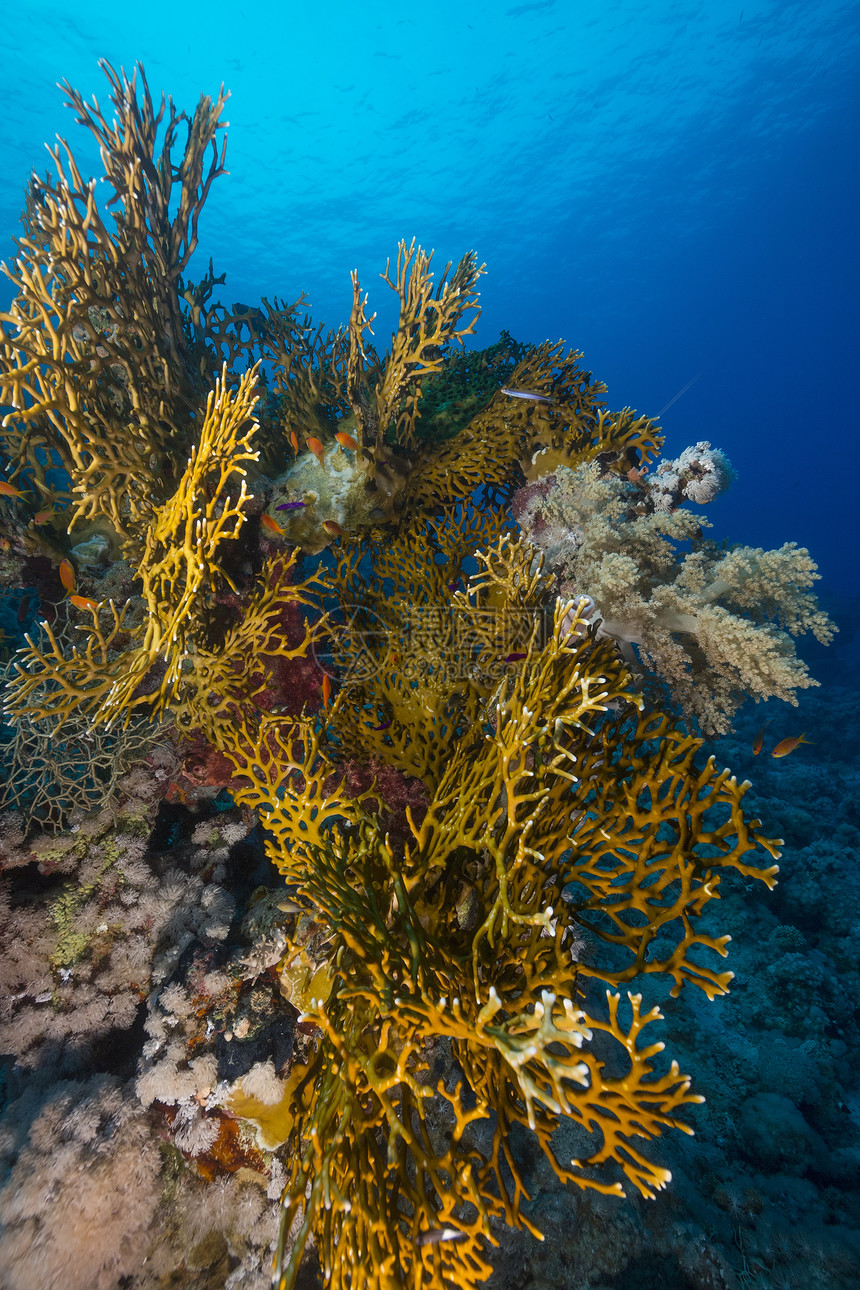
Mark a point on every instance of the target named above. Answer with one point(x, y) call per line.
point(83, 602)
point(785, 746)
point(270, 525)
point(5, 544)
point(759, 739)
point(317, 449)
point(9, 490)
point(326, 690)
point(294, 440)
point(333, 528)
point(347, 440)
point(67, 575)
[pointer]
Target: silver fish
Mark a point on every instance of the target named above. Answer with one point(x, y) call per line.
point(526, 394)
point(437, 1234)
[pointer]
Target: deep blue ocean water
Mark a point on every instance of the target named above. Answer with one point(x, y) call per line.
point(670, 187)
point(674, 189)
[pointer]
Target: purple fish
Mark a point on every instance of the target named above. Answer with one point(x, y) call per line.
point(514, 658)
point(384, 726)
point(290, 506)
point(526, 394)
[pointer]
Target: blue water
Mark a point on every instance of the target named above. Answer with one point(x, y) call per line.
point(671, 187)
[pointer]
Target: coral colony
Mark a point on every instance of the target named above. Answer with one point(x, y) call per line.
point(428, 633)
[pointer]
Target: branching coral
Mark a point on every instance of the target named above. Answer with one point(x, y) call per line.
point(547, 816)
point(715, 626)
point(467, 382)
point(181, 573)
point(95, 338)
point(563, 835)
point(45, 778)
point(566, 423)
point(429, 321)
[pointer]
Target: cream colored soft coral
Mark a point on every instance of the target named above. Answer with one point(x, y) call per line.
point(716, 626)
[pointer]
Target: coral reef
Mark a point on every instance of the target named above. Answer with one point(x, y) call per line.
point(714, 624)
point(545, 821)
point(699, 475)
point(376, 927)
point(96, 335)
point(81, 1186)
point(46, 777)
point(767, 1193)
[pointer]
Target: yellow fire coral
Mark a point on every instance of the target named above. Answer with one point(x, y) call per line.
point(452, 981)
point(390, 476)
point(559, 809)
point(172, 661)
point(429, 321)
point(96, 360)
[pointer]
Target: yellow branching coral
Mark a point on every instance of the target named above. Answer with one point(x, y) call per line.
point(179, 568)
point(558, 809)
point(653, 840)
point(309, 382)
point(550, 413)
point(219, 683)
point(284, 773)
point(566, 424)
point(569, 836)
point(307, 394)
point(171, 661)
point(407, 653)
point(429, 321)
point(96, 360)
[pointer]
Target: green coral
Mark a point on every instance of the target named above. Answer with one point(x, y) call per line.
point(453, 396)
point(71, 945)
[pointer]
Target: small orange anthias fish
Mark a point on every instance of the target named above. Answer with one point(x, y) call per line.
point(317, 448)
point(83, 602)
point(42, 517)
point(785, 746)
point(9, 490)
point(326, 690)
point(333, 528)
point(759, 740)
point(294, 440)
point(346, 440)
point(67, 575)
point(270, 525)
